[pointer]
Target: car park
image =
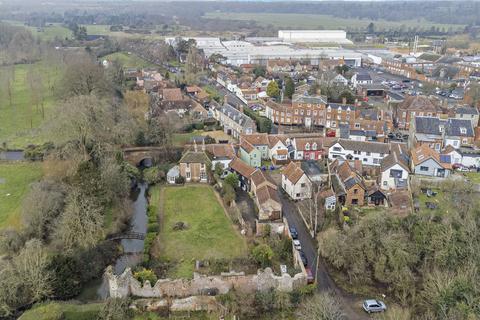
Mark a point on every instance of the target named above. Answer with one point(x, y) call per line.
point(373, 305)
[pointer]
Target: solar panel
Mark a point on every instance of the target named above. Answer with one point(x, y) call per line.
point(445, 158)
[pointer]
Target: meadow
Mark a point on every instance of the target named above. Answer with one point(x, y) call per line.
point(15, 179)
point(20, 121)
point(318, 21)
point(128, 60)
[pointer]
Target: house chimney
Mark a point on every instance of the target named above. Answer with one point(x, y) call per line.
point(356, 102)
point(240, 108)
point(194, 145)
point(203, 145)
point(344, 100)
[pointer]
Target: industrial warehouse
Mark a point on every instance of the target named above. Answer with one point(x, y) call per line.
point(286, 46)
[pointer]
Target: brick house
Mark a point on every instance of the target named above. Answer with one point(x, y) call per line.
point(347, 183)
point(194, 166)
point(414, 106)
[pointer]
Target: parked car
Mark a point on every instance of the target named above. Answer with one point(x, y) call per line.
point(372, 305)
point(303, 257)
point(310, 277)
point(297, 244)
point(293, 232)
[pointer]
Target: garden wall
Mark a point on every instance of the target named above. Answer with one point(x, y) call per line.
point(125, 285)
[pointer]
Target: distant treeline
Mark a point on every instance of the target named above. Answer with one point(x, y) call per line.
point(152, 14)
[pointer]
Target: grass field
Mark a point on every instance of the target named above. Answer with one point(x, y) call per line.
point(15, 179)
point(318, 21)
point(47, 33)
point(20, 121)
point(210, 234)
point(65, 311)
point(128, 60)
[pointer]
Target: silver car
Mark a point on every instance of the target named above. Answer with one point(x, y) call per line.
point(372, 305)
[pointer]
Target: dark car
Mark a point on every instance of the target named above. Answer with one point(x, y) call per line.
point(294, 233)
point(303, 257)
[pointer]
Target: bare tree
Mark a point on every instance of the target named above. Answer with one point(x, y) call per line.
point(25, 278)
point(41, 207)
point(322, 306)
point(83, 76)
point(81, 224)
point(7, 78)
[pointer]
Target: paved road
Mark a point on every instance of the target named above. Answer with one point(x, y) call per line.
point(351, 304)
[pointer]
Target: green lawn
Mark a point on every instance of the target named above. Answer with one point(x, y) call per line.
point(180, 139)
point(441, 200)
point(19, 122)
point(15, 179)
point(474, 177)
point(315, 21)
point(64, 311)
point(210, 234)
point(128, 60)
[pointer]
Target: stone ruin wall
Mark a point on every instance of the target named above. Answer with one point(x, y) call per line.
point(125, 285)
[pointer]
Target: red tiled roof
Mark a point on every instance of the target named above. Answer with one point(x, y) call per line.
point(241, 167)
point(256, 139)
point(293, 172)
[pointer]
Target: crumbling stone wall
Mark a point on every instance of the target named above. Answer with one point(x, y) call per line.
point(125, 285)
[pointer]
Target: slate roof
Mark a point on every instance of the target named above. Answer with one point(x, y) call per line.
point(342, 106)
point(194, 157)
point(398, 156)
point(309, 99)
point(365, 146)
point(363, 77)
point(293, 172)
point(428, 125)
point(452, 126)
point(466, 110)
point(237, 116)
point(346, 175)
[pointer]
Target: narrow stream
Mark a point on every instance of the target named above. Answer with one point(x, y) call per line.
point(132, 248)
point(11, 155)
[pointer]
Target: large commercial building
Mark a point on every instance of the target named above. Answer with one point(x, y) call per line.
point(329, 36)
point(245, 52)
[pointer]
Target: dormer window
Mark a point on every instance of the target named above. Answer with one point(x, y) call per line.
point(440, 128)
point(314, 146)
point(307, 146)
point(463, 130)
point(357, 125)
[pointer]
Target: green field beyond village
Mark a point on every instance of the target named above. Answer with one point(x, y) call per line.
point(20, 122)
point(15, 179)
point(320, 21)
point(209, 234)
